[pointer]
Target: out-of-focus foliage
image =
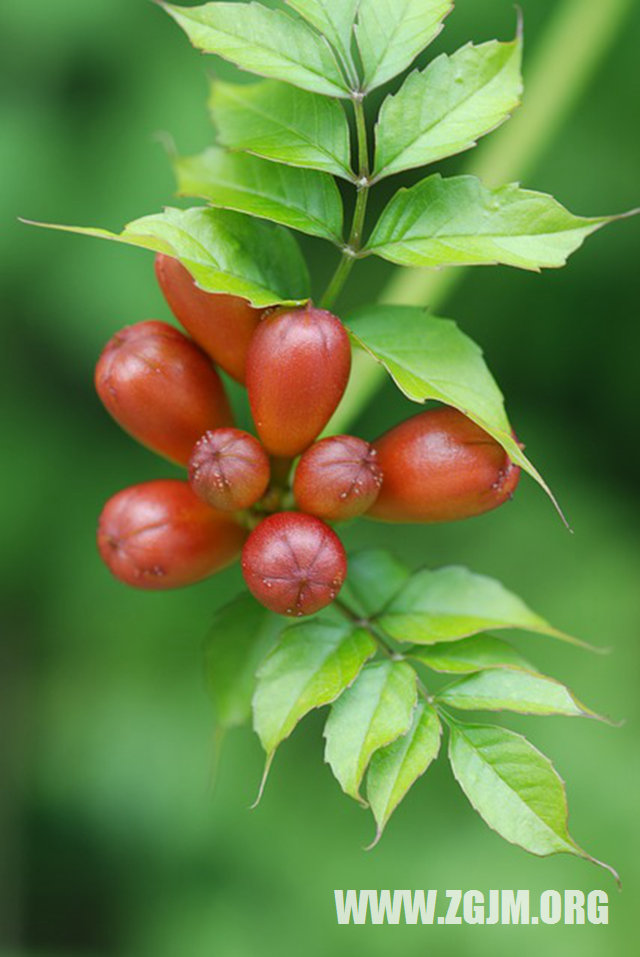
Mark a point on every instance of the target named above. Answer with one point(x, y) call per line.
point(113, 840)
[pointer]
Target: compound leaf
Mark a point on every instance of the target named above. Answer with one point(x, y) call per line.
point(514, 788)
point(469, 654)
point(524, 692)
point(239, 637)
point(391, 33)
point(372, 713)
point(268, 42)
point(374, 578)
point(302, 199)
point(451, 603)
point(394, 769)
point(444, 109)
point(311, 665)
point(459, 222)
point(283, 124)
point(224, 252)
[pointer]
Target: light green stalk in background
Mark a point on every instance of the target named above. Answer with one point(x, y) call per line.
point(579, 36)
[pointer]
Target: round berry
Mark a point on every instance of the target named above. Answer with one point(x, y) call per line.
point(294, 564)
point(337, 478)
point(229, 469)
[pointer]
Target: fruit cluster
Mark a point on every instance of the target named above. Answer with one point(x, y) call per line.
point(163, 388)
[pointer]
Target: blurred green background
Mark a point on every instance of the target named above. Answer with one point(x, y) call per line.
point(112, 838)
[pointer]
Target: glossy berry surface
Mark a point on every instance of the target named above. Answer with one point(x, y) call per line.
point(161, 388)
point(439, 466)
point(159, 535)
point(294, 564)
point(222, 325)
point(297, 370)
point(229, 469)
point(337, 478)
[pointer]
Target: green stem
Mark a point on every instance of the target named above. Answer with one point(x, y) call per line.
point(354, 243)
point(367, 625)
point(578, 37)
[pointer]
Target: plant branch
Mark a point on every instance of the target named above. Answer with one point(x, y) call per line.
point(354, 243)
point(578, 37)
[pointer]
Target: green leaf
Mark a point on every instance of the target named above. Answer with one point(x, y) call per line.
point(514, 788)
point(267, 42)
point(280, 123)
point(524, 692)
point(374, 578)
point(311, 665)
point(240, 635)
point(333, 19)
point(430, 358)
point(459, 222)
point(469, 654)
point(452, 603)
point(444, 109)
point(224, 252)
point(372, 713)
point(391, 33)
point(394, 769)
point(302, 199)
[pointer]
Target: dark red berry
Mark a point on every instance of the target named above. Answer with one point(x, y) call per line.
point(297, 370)
point(161, 388)
point(439, 466)
point(160, 535)
point(337, 478)
point(229, 469)
point(294, 564)
point(223, 325)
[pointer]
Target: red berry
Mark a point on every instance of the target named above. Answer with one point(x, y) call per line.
point(229, 469)
point(223, 325)
point(439, 466)
point(337, 478)
point(161, 388)
point(294, 564)
point(160, 535)
point(297, 370)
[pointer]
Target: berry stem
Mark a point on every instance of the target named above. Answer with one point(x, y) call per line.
point(354, 243)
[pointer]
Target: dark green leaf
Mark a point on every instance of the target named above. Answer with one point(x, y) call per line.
point(311, 665)
point(240, 635)
point(459, 222)
point(469, 654)
point(524, 692)
point(452, 603)
point(430, 358)
point(444, 109)
point(267, 42)
point(394, 769)
point(280, 123)
point(374, 578)
point(391, 33)
point(302, 199)
point(514, 788)
point(372, 713)
point(224, 252)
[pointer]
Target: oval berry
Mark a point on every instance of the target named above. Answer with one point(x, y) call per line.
point(439, 466)
point(161, 388)
point(337, 478)
point(294, 564)
point(297, 370)
point(159, 535)
point(222, 325)
point(229, 469)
